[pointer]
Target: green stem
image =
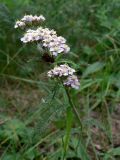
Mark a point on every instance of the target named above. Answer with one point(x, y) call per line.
point(74, 108)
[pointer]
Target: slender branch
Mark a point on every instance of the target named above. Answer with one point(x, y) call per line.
point(73, 107)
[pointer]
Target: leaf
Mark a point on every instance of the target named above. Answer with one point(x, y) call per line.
point(14, 156)
point(83, 152)
point(93, 68)
point(80, 148)
point(111, 153)
point(88, 50)
point(88, 83)
point(116, 80)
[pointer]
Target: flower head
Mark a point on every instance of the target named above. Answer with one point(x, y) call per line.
point(72, 81)
point(56, 44)
point(61, 71)
point(29, 19)
point(66, 74)
point(36, 35)
point(49, 39)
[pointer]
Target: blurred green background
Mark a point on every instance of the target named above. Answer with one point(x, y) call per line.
point(92, 29)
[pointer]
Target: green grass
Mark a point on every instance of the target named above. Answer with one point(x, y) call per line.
point(34, 121)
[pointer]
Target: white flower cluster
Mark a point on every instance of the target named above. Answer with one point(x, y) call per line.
point(55, 44)
point(64, 71)
point(73, 82)
point(29, 19)
point(37, 35)
point(48, 39)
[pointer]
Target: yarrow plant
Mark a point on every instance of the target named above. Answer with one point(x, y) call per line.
point(48, 41)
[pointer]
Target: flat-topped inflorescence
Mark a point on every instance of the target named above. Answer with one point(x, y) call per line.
point(47, 39)
point(37, 35)
point(61, 71)
point(29, 19)
point(66, 74)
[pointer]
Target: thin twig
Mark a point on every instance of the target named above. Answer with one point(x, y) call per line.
point(73, 107)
